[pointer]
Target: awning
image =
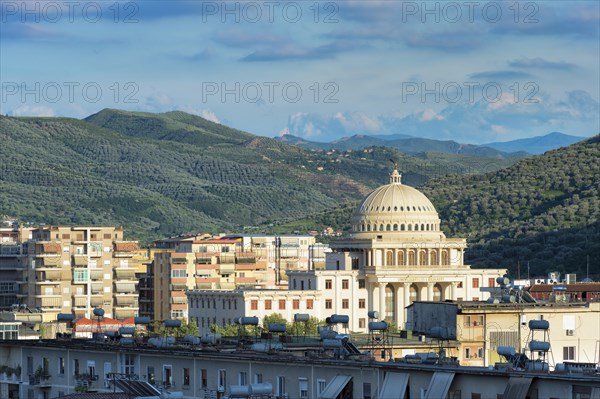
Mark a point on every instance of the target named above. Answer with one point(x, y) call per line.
point(394, 386)
point(517, 387)
point(335, 387)
point(439, 385)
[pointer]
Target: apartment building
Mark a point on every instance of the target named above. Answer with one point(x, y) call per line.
point(223, 263)
point(13, 262)
point(51, 369)
point(66, 269)
point(481, 328)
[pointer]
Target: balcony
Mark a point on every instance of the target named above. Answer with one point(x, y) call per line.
point(122, 313)
point(227, 269)
point(49, 261)
point(96, 300)
point(50, 302)
point(10, 250)
point(127, 300)
point(125, 288)
point(179, 299)
point(124, 274)
point(125, 249)
point(41, 380)
point(80, 301)
point(249, 266)
point(96, 274)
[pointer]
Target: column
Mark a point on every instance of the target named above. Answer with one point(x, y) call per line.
point(430, 291)
point(382, 300)
point(400, 305)
point(374, 297)
point(453, 286)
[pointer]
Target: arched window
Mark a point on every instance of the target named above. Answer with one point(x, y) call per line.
point(427, 226)
point(400, 258)
point(433, 257)
point(422, 227)
point(416, 227)
point(390, 303)
point(422, 258)
point(362, 227)
point(437, 293)
point(414, 293)
point(411, 258)
point(409, 227)
point(381, 227)
point(389, 258)
point(368, 227)
point(395, 227)
point(402, 227)
point(445, 257)
point(388, 227)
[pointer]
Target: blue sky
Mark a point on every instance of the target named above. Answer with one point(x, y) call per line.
point(470, 71)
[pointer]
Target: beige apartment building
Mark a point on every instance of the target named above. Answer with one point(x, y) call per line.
point(64, 269)
point(223, 263)
point(480, 328)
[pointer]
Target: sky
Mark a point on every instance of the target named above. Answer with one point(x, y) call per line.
point(469, 71)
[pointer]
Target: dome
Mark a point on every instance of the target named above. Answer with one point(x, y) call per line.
point(395, 208)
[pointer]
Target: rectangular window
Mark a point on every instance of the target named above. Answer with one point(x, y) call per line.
point(476, 282)
point(75, 367)
point(467, 320)
point(80, 275)
point(491, 282)
point(243, 378)
point(303, 387)
point(296, 304)
point(186, 376)
point(568, 353)
point(268, 304)
point(151, 377)
point(467, 353)
point(345, 304)
point(222, 380)
point(178, 273)
point(361, 322)
point(309, 304)
point(328, 284)
point(204, 378)
point(107, 236)
point(367, 390)
point(282, 304)
point(281, 386)
point(321, 384)
point(361, 283)
point(354, 264)
point(258, 379)
point(328, 304)
point(361, 304)
point(61, 365)
point(345, 284)
point(254, 304)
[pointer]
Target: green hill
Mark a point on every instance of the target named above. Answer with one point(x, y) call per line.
point(171, 173)
point(544, 210)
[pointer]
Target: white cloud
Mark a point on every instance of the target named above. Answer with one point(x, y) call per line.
point(32, 110)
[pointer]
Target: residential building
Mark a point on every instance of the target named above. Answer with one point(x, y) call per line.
point(224, 263)
point(481, 328)
point(579, 292)
point(51, 369)
point(66, 269)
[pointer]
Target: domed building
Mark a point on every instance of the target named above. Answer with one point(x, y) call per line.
point(395, 255)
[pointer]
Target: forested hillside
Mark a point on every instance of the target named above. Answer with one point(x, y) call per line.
point(172, 173)
point(544, 210)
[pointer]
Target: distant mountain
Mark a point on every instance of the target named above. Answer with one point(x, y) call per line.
point(538, 144)
point(404, 143)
